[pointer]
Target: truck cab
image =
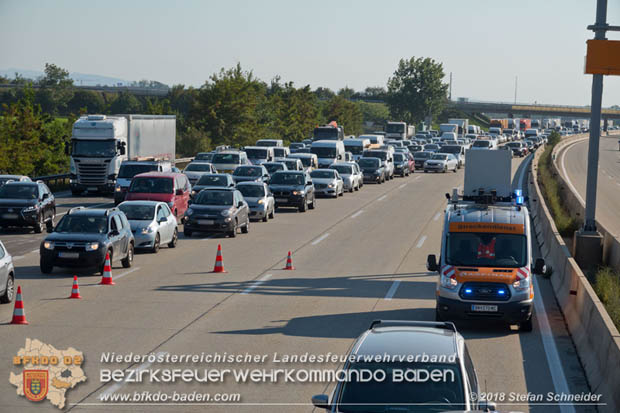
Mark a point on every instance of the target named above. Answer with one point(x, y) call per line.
point(486, 265)
point(399, 130)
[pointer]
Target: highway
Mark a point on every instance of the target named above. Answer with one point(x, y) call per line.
point(572, 161)
point(358, 258)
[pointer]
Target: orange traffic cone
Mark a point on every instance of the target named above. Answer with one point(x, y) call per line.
point(219, 263)
point(75, 290)
point(289, 263)
point(19, 315)
point(106, 278)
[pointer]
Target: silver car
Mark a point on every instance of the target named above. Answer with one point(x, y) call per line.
point(351, 175)
point(194, 170)
point(327, 182)
point(152, 224)
point(441, 162)
point(259, 198)
point(7, 276)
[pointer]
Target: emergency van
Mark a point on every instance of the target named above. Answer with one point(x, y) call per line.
point(486, 267)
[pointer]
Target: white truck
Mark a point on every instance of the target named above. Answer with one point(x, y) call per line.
point(462, 124)
point(100, 143)
point(448, 127)
point(399, 130)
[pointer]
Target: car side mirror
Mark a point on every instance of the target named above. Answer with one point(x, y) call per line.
point(539, 266)
point(321, 401)
point(114, 233)
point(308, 183)
point(122, 150)
point(45, 196)
point(162, 219)
point(239, 204)
point(178, 192)
point(431, 263)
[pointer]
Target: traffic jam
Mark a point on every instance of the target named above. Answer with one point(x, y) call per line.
point(484, 267)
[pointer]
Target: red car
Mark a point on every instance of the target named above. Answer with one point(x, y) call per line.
point(169, 187)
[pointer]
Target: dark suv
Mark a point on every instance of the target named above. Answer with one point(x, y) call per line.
point(27, 204)
point(293, 189)
point(373, 170)
point(217, 210)
point(398, 358)
point(84, 236)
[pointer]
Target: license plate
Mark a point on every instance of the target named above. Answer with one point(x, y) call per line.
point(484, 308)
point(205, 222)
point(284, 200)
point(9, 216)
point(69, 254)
point(92, 188)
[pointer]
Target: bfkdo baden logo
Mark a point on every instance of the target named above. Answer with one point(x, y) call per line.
point(47, 373)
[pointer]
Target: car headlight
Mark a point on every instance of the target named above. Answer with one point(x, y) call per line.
point(31, 208)
point(189, 212)
point(117, 188)
point(449, 283)
point(48, 245)
point(330, 185)
point(298, 193)
point(147, 230)
point(226, 212)
point(261, 201)
point(193, 192)
point(522, 285)
point(92, 246)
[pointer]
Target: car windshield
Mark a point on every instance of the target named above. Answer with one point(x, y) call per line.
point(439, 157)
point(138, 212)
point(248, 171)
point(514, 144)
point(83, 224)
point(198, 167)
point(399, 157)
point(432, 146)
point(482, 144)
point(279, 152)
point(486, 249)
point(325, 133)
point(291, 164)
point(214, 198)
point(19, 192)
point(409, 395)
point(323, 152)
point(94, 149)
point(252, 191)
point(368, 163)
point(323, 174)
point(130, 170)
point(343, 169)
point(422, 155)
point(451, 149)
point(254, 153)
point(204, 157)
point(223, 158)
point(272, 167)
point(151, 185)
point(395, 128)
point(212, 180)
point(354, 149)
point(296, 145)
point(280, 178)
point(377, 154)
point(305, 160)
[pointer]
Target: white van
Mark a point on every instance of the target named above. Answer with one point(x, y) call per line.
point(328, 152)
point(356, 146)
point(374, 139)
point(259, 154)
point(281, 151)
point(269, 142)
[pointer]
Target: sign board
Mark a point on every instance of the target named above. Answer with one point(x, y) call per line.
point(603, 57)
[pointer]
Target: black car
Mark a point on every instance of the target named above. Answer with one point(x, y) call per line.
point(217, 181)
point(401, 164)
point(84, 236)
point(420, 157)
point(293, 189)
point(250, 173)
point(27, 204)
point(373, 170)
point(217, 210)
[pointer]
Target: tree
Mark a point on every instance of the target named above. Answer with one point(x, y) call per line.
point(324, 93)
point(55, 76)
point(416, 89)
point(346, 92)
point(375, 93)
point(345, 113)
point(293, 112)
point(374, 112)
point(126, 103)
point(56, 89)
point(86, 100)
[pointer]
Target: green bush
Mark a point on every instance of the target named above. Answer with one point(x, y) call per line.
point(607, 287)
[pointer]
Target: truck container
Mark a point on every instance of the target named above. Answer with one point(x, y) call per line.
point(525, 124)
point(463, 124)
point(499, 123)
point(100, 143)
point(399, 130)
point(448, 127)
point(536, 123)
point(330, 131)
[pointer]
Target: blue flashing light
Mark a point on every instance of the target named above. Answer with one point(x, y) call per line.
point(501, 292)
point(468, 291)
point(519, 200)
point(518, 192)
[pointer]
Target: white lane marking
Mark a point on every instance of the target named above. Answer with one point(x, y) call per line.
point(116, 277)
point(112, 389)
point(570, 184)
point(392, 290)
point(402, 186)
point(437, 216)
point(382, 198)
point(92, 206)
point(421, 241)
point(33, 251)
point(553, 359)
point(358, 213)
point(256, 284)
point(19, 257)
point(319, 239)
point(419, 176)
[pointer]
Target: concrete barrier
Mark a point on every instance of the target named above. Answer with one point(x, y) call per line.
point(596, 338)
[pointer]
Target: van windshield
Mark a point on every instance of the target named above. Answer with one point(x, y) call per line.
point(224, 158)
point(395, 128)
point(151, 185)
point(451, 149)
point(376, 154)
point(323, 152)
point(355, 149)
point(279, 152)
point(256, 153)
point(325, 133)
point(481, 144)
point(306, 160)
point(486, 249)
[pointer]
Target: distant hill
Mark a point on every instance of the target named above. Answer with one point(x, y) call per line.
point(79, 79)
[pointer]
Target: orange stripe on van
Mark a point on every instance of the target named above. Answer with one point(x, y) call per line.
point(487, 227)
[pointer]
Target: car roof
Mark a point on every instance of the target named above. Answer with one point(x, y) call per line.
point(22, 183)
point(154, 174)
point(99, 212)
point(250, 183)
point(224, 188)
point(142, 203)
point(289, 172)
point(408, 340)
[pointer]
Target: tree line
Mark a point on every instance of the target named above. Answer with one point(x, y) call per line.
point(232, 107)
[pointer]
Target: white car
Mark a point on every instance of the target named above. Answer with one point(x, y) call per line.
point(7, 276)
point(152, 224)
point(327, 182)
point(441, 162)
point(351, 175)
point(194, 170)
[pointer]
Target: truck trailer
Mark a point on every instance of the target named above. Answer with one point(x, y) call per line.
point(100, 143)
point(463, 124)
point(399, 130)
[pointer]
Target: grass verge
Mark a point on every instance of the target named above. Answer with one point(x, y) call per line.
point(607, 287)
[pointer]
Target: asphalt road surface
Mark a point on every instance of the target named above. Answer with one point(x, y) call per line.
point(358, 258)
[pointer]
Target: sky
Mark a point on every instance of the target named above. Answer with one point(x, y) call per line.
point(485, 44)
